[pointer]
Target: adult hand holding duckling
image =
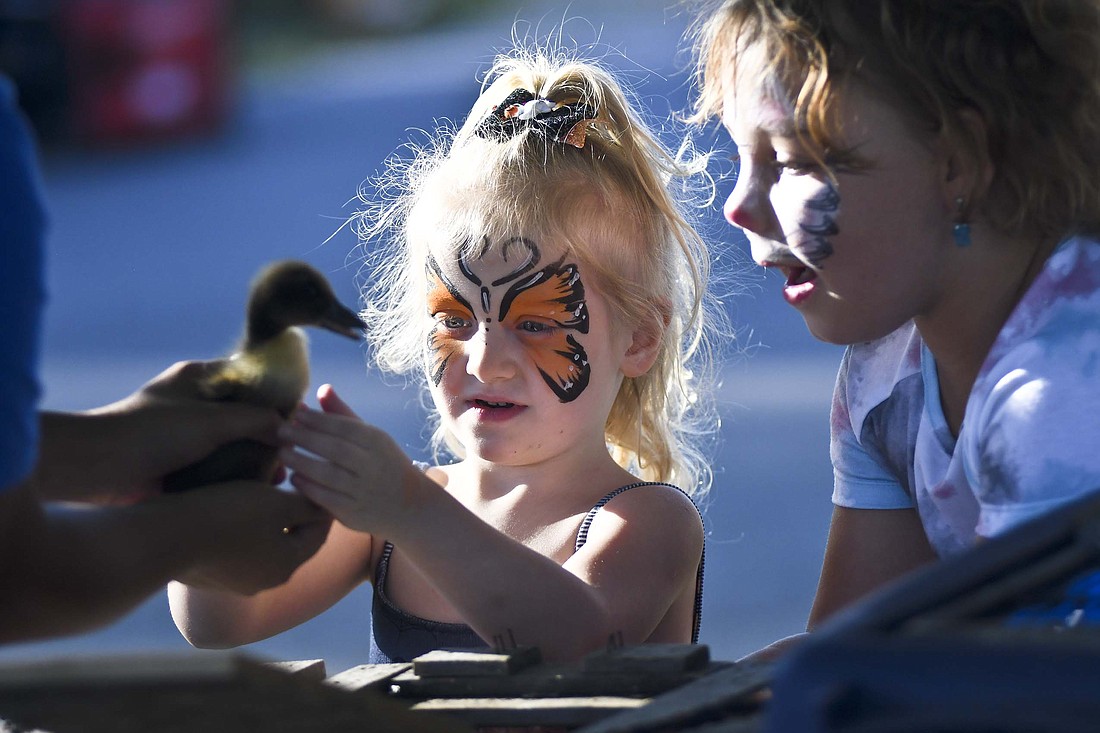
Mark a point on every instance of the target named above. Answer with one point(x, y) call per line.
point(269, 369)
point(120, 453)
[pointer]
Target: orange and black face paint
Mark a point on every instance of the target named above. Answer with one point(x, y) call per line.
point(443, 297)
point(554, 293)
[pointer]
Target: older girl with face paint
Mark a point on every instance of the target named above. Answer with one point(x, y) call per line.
point(926, 178)
point(536, 268)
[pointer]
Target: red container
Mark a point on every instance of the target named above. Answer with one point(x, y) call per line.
point(145, 69)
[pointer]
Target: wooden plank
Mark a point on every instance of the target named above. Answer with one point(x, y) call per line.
point(649, 659)
point(561, 711)
point(733, 689)
point(546, 680)
point(310, 669)
point(367, 676)
point(215, 694)
point(112, 670)
point(475, 662)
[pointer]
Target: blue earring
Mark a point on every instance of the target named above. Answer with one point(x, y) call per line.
point(961, 230)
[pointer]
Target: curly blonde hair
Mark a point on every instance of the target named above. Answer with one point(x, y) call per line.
point(461, 189)
point(1029, 68)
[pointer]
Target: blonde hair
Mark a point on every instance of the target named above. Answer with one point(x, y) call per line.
point(1029, 68)
point(463, 189)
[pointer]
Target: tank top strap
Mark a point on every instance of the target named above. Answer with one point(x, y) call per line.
point(383, 565)
point(586, 523)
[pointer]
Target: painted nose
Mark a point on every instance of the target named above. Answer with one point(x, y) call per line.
point(490, 354)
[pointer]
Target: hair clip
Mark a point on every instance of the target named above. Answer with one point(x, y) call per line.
point(563, 123)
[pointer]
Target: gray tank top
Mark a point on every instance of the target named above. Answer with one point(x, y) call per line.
point(399, 636)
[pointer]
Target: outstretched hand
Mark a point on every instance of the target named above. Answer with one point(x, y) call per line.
point(354, 470)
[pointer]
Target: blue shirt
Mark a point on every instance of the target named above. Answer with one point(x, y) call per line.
point(22, 291)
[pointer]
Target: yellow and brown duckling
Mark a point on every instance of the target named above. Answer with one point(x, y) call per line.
point(271, 366)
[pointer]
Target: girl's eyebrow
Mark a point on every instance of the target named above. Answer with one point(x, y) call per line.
point(435, 298)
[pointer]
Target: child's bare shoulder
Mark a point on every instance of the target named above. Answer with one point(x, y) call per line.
point(645, 504)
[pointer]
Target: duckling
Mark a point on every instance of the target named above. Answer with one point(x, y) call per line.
point(270, 368)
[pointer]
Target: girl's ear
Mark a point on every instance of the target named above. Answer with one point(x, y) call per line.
point(968, 165)
point(645, 344)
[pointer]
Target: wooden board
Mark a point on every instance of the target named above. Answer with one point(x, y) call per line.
point(367, 676)
point(716, 696)
point(310, 669)
point(559, 711)
point(475, 662)
point(667, 659)
point(547, 680)
point(211, 693)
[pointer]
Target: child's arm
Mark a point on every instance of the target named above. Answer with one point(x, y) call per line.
point(642, 552)
point(867, 548)
point(217, 619)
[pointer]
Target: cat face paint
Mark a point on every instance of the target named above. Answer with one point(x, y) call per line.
point(504, 288)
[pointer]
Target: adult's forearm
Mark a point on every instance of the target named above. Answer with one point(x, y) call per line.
point(76, 456)
point(66, 570)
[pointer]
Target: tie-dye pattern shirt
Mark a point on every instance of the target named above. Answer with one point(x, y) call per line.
point(1030, 437)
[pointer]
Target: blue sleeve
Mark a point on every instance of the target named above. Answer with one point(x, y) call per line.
point(22, 291)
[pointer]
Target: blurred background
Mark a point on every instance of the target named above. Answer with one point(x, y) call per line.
point(186, 143)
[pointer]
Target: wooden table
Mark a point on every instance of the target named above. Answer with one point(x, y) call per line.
point(641, 688)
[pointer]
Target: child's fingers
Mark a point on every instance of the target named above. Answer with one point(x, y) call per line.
point(341, 449)
point(331, 403)
point(313, 420)
point(332, 501)
point(320, 471)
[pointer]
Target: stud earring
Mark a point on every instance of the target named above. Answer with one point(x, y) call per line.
point(961, 229)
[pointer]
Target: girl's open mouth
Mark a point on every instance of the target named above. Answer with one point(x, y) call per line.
point(799, 285)
point(485, 404)
point(494, 410)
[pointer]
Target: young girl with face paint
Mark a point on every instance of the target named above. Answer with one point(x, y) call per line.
point(926, 178)
point(537, 268)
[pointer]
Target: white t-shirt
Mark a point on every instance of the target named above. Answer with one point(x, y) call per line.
point(1030, 437)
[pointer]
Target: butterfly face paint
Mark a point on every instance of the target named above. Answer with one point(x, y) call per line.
point(504, 288)
point(813, 245)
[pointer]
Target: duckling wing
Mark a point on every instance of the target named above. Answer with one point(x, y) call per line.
point(275, 375)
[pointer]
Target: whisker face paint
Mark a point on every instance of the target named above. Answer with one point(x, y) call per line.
point(545, 307)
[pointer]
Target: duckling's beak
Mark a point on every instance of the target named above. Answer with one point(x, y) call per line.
point(343, 321)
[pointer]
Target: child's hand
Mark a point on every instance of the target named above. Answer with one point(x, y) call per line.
point(356, 471)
